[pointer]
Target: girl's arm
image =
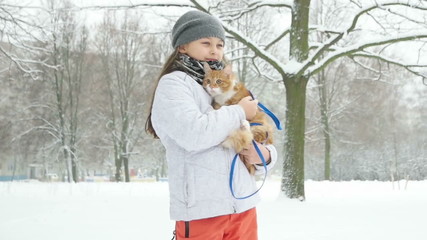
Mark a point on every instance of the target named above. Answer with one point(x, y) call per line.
point(269, 153)
point(176, 114)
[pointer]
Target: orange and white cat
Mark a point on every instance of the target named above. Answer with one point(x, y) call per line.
point(223, 86)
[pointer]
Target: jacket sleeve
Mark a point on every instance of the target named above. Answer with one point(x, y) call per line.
point(177, 115)
point(273, 156)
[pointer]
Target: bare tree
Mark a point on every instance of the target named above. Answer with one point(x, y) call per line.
point(327, 81)
point(18, 31)
point(67, 45)
point(121, 48)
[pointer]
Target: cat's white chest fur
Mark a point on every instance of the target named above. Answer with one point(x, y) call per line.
point(222, 98)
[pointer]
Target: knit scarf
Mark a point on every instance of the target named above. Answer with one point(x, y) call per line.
point(194, 67)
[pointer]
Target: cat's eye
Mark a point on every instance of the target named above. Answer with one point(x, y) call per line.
point(208, 81)
point(218, 81)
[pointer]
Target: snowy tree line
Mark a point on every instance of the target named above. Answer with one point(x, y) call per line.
point(74, 96)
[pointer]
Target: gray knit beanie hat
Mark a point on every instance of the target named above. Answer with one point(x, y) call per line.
point(194, 25)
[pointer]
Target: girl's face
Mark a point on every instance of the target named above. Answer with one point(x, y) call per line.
point(204, 49)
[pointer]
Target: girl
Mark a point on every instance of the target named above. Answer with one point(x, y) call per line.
point(192, 131)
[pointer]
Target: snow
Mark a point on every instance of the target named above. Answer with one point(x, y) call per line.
point(332, 211)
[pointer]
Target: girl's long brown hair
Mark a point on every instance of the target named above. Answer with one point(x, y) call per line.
point(167, 68)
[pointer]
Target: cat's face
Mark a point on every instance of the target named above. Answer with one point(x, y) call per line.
point(217, 82)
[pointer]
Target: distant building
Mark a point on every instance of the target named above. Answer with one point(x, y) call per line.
point(11, 170)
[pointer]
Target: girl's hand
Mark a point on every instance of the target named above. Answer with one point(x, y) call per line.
point(249, 106)
point(250, 155)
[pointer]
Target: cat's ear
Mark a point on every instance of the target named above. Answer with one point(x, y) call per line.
point(206, 67)
point(228, 69)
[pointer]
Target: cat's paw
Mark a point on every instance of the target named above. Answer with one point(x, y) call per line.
point(239, 140)
point(245, 125)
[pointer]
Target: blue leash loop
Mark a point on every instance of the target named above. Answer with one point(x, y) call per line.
point(233, 163)
point(264, 163)
point(268, 112)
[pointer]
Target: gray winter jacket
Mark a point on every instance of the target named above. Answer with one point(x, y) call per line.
point(192, 132)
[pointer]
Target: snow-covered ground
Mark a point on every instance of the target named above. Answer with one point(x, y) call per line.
point(333, 211)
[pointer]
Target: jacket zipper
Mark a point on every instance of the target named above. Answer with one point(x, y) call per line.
point(230, 159)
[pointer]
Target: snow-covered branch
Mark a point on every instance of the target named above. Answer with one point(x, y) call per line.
point(352, 26)
point(273, 61)
point(147, 3)
point(284, 33)
point(272, 3)
point(408, 67)
point(22, 64)
point(352, 50)
point(234, 14)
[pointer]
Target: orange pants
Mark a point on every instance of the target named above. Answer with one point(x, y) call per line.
point(241, 226)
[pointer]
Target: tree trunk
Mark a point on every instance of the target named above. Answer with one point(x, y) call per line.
point(293, 166)
point(324, 109)
point(68, 165)
point(296, 87)
point(126, 168)
point(118, 175)
point(327, 152)
point(124, 140)
point(74, 168)
point(14, 168)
